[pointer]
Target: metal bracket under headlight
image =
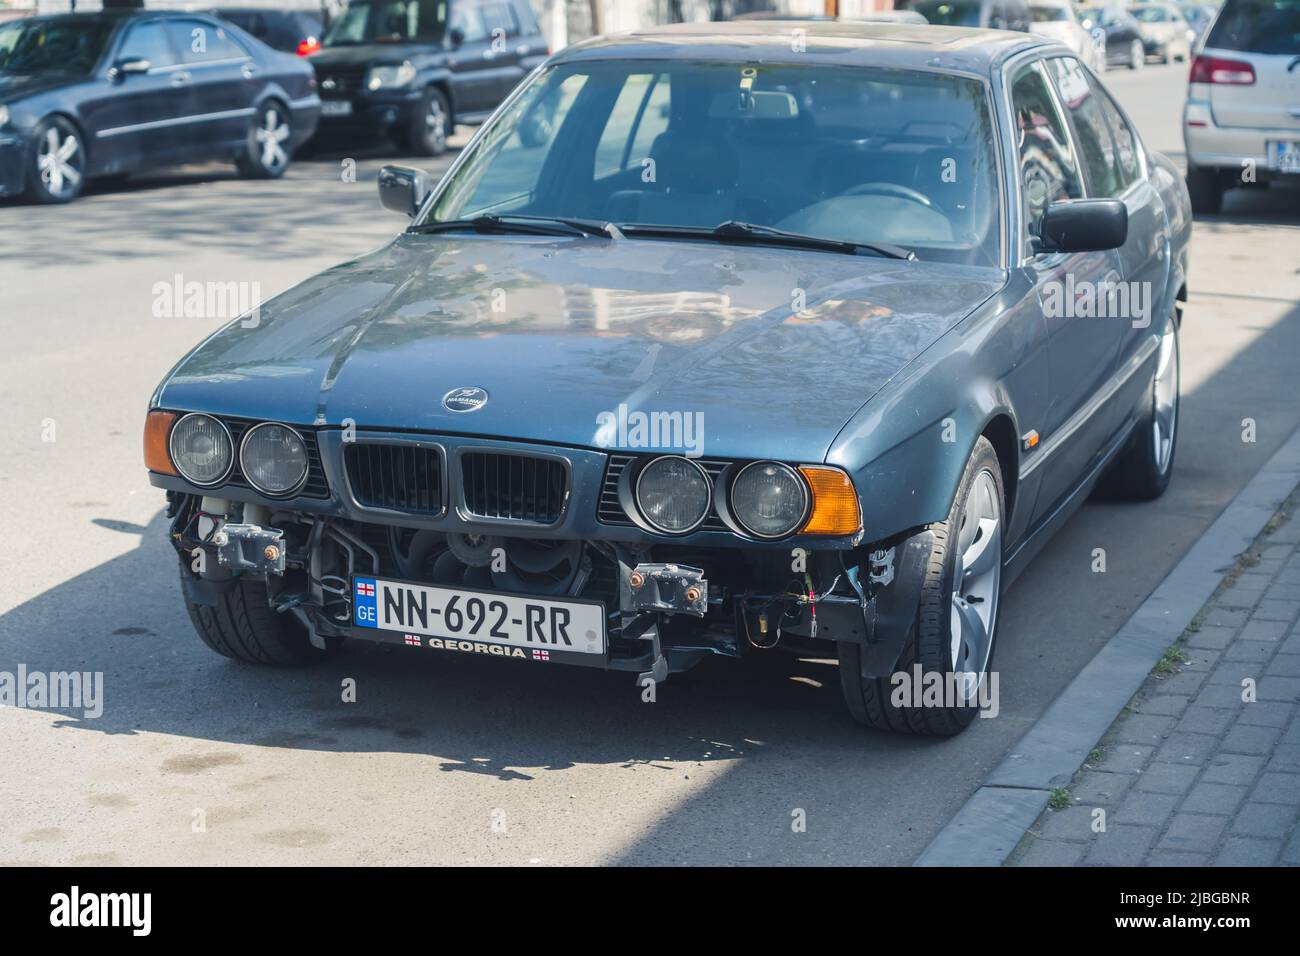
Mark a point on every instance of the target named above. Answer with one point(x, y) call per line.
point(249, 547)
point(673, 588)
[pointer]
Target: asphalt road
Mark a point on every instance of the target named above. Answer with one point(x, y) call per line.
point(450, 759)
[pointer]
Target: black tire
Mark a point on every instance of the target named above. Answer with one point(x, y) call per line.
point(56, 185)
point(245, 628)
point(1138, 472)
point(1137, 55)
point(1206, 188)
point(258, 159)
point(929, 644)
point(430, 125)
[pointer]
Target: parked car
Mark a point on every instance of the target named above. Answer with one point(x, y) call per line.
point(870, 16)
point(1057, 20)
point(991, 14)
point(1241, 123)
point(412, 69)
point(1165, 33)
point(293, 31)
point(1123, 37)
point(575, 414)
point(110, 93)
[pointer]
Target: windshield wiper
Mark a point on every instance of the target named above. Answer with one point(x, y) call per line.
point(734, 230)
point(525, 225)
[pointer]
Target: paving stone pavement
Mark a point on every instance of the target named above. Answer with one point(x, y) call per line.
point(1203, 766)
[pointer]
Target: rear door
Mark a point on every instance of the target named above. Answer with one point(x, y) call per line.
point(503, 48)
point(474, 88)
point(1266, 35)
point(223, 83)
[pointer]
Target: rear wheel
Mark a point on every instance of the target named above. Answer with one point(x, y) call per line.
point(1143, 469)
point(267, 153)
point(244, 627)
point(57, 170)
point(952, 637)
point(1206, 188)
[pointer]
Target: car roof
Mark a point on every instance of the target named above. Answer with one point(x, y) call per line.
point(853, 43)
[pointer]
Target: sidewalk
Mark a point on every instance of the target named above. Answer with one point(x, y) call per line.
point(1194, 773)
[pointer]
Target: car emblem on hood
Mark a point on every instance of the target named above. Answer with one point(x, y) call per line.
point(469, 399)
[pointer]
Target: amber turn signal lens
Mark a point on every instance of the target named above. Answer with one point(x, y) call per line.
point(835, 504)
point(157, 428)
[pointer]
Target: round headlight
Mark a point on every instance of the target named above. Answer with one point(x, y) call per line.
point(673, 494)
point(273, 459)
point(768, 499)
point(201, 449)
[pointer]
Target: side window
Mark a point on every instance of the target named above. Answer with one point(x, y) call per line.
point(1128, 147)
point(1091, 131)
point(1048, 170)
point(199, 42)
point(499, 16)
point(149, 40)
point(468, 19)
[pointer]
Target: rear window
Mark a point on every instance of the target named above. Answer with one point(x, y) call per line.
point(1258, 26)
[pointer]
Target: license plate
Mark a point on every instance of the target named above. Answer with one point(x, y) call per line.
point(483, 622)
point(335, 108)
point(1284, 155)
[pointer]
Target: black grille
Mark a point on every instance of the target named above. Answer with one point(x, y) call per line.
point(611, 512)
point(517, 487)
point(315, 487)
point(396, 477)
point(346, 80)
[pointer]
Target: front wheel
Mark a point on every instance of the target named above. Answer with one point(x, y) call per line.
point(244, 627)
point(57, 172)
point(430, 125)
point(266, 154)
point(951, 643)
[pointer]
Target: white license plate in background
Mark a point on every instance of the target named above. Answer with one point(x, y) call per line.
point(335, 108)
point(1284, 155)
point(488, 617)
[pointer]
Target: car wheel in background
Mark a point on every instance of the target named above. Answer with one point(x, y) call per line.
point(1205, 187)
point(1143, 469)
point(430, 125)
point(267, 153)
point(956, 621)
point(243, 626)
point(56, 169)
point(1137, 55)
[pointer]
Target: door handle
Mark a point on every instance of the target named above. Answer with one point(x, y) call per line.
point(180, 78)
point(249, 71)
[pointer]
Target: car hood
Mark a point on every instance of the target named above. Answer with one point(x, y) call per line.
point(365, 54)
point(15, 85)
point(774, 348)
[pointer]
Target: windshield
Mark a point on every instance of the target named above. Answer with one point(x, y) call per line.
point(853, 155)
point(388, 21)
point(949, 14)
point(52, 46)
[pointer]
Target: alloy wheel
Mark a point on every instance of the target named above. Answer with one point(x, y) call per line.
point(977, 578)
point(435, 122)
point(1164, 421)
point(60, 161)
point(271, 137)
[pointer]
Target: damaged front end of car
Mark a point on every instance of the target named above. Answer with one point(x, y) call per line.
point(536, 552)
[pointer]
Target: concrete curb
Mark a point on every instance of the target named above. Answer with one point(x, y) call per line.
point(990, 824)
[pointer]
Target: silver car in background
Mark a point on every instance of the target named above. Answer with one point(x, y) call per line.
point(1241, 124)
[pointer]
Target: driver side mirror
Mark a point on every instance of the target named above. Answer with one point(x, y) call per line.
point(403, 189)
point(129, 65)
point(1083, 225)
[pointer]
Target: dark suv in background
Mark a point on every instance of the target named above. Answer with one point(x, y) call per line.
point(412, 69)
